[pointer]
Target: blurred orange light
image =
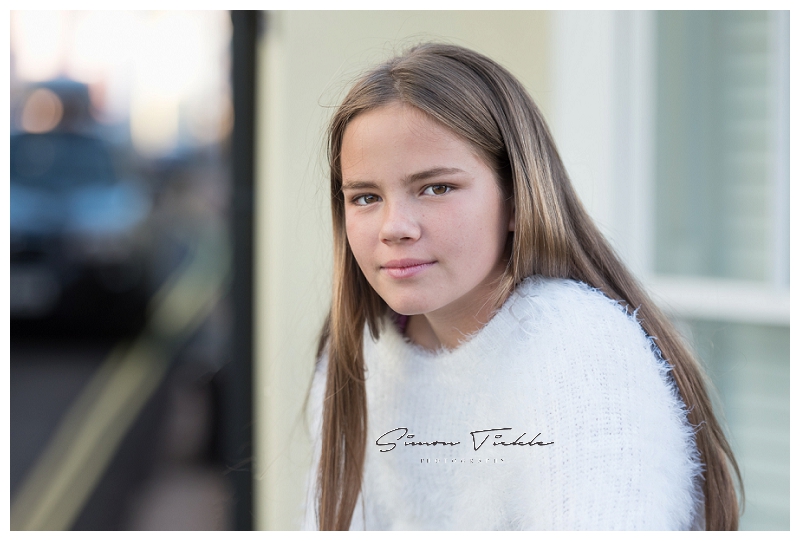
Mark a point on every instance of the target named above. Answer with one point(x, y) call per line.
point(42, 112)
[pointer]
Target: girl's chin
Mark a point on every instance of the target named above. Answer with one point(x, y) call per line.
point(406, 308)
point(422, 302)
point(406, 311)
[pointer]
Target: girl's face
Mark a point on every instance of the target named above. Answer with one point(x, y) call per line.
point(424, 213)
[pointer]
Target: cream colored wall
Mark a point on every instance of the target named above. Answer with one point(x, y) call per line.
point(306, 60)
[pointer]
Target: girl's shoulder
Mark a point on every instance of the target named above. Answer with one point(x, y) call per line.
point(571, 306)
point(585, 329)
point(609, 402)
point(565, 296)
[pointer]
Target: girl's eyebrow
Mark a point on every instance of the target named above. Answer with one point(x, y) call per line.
point(415, 177)
point(431, 173)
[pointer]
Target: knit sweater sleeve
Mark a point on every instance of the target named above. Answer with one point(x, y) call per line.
point(623, 456)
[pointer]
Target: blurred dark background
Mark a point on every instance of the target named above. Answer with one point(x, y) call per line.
point(129, 401)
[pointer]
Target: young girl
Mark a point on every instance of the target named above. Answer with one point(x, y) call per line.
point(488, 362)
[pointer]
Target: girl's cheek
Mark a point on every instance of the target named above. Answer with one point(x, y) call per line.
point(355, 231)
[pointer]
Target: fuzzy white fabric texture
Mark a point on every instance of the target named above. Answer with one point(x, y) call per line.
point(576, 419)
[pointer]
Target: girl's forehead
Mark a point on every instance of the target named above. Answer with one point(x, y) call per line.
point(398, 123)
point(397, 117)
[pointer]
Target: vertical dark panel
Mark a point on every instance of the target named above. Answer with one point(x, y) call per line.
point(237, 411)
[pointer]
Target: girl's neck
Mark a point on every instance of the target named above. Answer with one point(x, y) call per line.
point(448, 328)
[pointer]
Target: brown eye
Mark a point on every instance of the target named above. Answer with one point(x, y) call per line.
point(437, 189)
point(363, 200)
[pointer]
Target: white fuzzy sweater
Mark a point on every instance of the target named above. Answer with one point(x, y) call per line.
point(559, 363)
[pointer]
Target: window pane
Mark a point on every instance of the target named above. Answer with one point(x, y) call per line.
point(749, 365)
point(715, 144)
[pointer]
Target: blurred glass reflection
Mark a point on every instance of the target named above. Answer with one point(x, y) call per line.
point(119, 201)
point(716, 143)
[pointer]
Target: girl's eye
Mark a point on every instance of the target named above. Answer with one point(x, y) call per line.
point(363, 200)
point(437, 189)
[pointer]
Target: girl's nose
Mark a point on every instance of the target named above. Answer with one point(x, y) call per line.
point(399, 223)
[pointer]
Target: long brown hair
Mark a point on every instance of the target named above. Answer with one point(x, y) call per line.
point(554, 236)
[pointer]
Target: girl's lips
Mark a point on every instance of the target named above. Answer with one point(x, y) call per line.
point(406, 268)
